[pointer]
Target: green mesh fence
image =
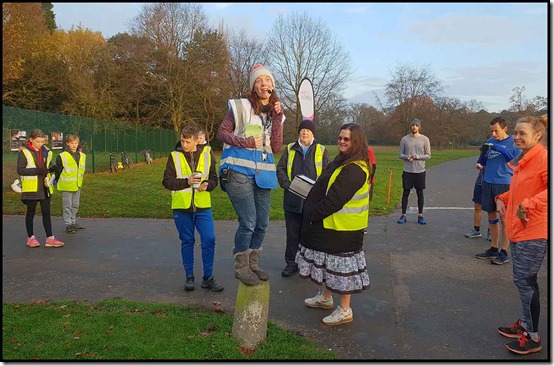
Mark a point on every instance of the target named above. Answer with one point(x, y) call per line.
point(97, 138)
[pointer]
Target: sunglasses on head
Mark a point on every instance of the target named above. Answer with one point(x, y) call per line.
point(345, 139)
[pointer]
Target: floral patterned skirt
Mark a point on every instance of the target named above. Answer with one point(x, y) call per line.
point(342, 273)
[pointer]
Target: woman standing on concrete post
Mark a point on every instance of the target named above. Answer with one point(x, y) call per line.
point(251, 133)
point(335, 216)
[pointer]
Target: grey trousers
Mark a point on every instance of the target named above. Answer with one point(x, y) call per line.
point(70, 202)
point(527, 258)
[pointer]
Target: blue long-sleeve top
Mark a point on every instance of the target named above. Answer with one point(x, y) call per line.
point(496, 159)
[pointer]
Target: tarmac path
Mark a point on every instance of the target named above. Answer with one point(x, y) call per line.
point(430, 298)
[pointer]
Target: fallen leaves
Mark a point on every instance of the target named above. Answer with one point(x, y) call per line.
point(38, 301)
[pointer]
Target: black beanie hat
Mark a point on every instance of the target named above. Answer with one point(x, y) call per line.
point(310, 125)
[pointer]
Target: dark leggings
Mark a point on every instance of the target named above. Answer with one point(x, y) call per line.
point(406, 194)
point(45, 211)
point(527, 258)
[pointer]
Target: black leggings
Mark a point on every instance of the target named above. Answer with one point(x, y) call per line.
point(45, 211)
point(405, 195)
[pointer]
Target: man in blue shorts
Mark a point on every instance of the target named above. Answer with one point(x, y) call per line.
point(477, 197)
point(501, 149)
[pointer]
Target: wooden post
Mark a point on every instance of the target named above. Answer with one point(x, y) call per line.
point(251, 311)
point(390, 184)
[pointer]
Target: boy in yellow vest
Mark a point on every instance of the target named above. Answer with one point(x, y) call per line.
point(70, 169)
point(190, 175)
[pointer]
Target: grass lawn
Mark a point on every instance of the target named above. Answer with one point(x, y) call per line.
point(138, 192)
point(126, 330)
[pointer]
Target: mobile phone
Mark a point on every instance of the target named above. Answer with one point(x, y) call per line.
point(225, 175)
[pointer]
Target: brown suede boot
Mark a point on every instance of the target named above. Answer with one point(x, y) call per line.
point(254, 257)
point(242, 269)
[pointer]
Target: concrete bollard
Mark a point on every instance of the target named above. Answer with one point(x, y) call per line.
point(251, 311)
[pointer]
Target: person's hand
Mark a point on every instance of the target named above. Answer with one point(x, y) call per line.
point(259, 141)
point(521, 214)
point(410, 158)
point(277, 108)
point(500, 207)
point(202, 187)
point(42, 171)
point(478, 166)
point(194, 178)
point(415, 157)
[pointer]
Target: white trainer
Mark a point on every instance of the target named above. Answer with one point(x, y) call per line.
point(338, 316)
point(319, 301)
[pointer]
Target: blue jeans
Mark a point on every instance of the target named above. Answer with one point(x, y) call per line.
point(204, 223)
point(251, 203)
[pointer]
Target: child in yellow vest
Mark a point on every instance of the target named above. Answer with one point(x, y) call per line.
point(70, 171)
point(34, 169)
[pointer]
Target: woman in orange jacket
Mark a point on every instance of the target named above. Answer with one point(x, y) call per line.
point(525, 207)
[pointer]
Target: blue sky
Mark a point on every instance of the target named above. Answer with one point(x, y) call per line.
point(479, 51)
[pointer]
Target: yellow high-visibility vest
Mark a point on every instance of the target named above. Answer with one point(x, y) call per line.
point(355, 213)
point(182, 199)
point(29, 183)
point(318, 159)
point(71, 178)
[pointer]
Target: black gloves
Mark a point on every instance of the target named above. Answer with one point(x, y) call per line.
point(52, 168)
point(484, 148)
point(42, 171)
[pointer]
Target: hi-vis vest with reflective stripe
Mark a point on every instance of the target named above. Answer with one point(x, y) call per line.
point(249, 161)
point(355, 213)
point(29, 183)
point(71, 178)
point(182, 199)
point(318, 159)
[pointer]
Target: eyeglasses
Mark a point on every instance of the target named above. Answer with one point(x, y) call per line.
point(345, 139)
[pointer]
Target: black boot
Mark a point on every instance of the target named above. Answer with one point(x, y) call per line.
point(210, 283)
point(289, 270)
point(189, 285)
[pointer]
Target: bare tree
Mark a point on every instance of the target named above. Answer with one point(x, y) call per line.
point(408, 85)
point(540, 103)
point(299, 46)
point(447, 127)
point(518, 100)
point(368, 117)
point(330, 118)
point(244, 53)
point(171, 27)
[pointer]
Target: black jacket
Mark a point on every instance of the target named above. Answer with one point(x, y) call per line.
point(171, 182)
point(320, 204)
point(301, 165)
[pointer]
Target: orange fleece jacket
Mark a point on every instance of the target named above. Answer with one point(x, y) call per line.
point(529, 187)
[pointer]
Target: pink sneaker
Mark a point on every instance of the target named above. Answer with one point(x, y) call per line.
point(32, 242)
point(53, 242)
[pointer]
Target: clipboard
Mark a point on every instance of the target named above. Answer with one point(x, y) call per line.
point(301, 185)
